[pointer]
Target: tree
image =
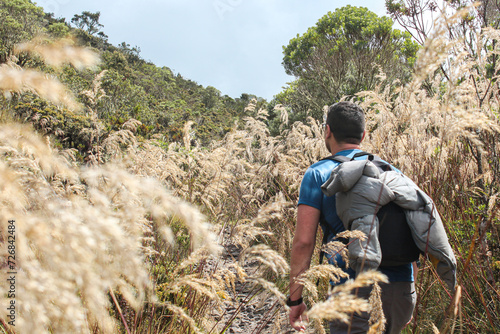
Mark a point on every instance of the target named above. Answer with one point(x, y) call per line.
point(416, 17)
point(20, 20)
point(58, 29)
point(210, 97)
point(489, 12)
point(342, 55)
point(133, 53)
point(89, 22)
point(413, 15)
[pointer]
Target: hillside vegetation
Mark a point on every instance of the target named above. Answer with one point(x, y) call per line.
point(120, 87)
point(136, 201)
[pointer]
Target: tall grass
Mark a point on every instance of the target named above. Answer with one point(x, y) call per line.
point(442, 130)
point(114, 246)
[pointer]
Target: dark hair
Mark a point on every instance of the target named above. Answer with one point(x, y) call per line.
point(347, 122)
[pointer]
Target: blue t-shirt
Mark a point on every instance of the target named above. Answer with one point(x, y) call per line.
point(311, 195)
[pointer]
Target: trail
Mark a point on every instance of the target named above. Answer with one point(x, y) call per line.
point(249, 309)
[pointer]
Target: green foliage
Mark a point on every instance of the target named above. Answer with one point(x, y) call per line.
point(58, 30)
point(20, 20)
point(64, 125)
point(129, 86)
point(89, 22)
point(342, 55)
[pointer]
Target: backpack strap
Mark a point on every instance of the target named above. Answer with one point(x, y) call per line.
point(377, 161)
point(324, 242)
point(342, 158)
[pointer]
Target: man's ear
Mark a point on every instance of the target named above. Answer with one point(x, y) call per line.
point(364, 133)
point(328, 133)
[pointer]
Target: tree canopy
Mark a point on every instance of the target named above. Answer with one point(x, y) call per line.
point(342, 55)
point(89, 22)
point(19, 21)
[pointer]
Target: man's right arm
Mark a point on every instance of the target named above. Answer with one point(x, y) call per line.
point(303, 245)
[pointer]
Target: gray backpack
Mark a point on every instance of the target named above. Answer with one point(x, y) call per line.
point(396, 241)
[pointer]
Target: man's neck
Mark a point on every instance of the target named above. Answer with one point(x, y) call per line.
point(342, 147)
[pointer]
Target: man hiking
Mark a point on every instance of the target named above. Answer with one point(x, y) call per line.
point(343, 133)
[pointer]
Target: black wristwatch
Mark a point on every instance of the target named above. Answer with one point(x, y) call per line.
point(293, 302)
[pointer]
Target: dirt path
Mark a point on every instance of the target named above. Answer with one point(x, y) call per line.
point(251, 309)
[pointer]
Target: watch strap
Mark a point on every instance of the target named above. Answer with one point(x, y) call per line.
point(293, 302)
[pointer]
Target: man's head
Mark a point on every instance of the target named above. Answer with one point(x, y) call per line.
point(346, 121)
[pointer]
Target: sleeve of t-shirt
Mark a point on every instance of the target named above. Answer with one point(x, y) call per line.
point(310, 189)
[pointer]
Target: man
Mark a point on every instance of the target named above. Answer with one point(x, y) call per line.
point(343, 132)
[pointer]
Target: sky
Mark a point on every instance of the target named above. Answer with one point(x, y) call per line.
point(232, 45)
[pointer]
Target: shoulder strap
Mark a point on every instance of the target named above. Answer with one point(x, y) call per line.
point(343, 158)
point(372, 157)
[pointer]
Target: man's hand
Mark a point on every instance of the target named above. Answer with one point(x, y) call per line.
point(297, 319)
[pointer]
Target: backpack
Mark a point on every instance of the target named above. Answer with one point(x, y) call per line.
point(396, 241)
